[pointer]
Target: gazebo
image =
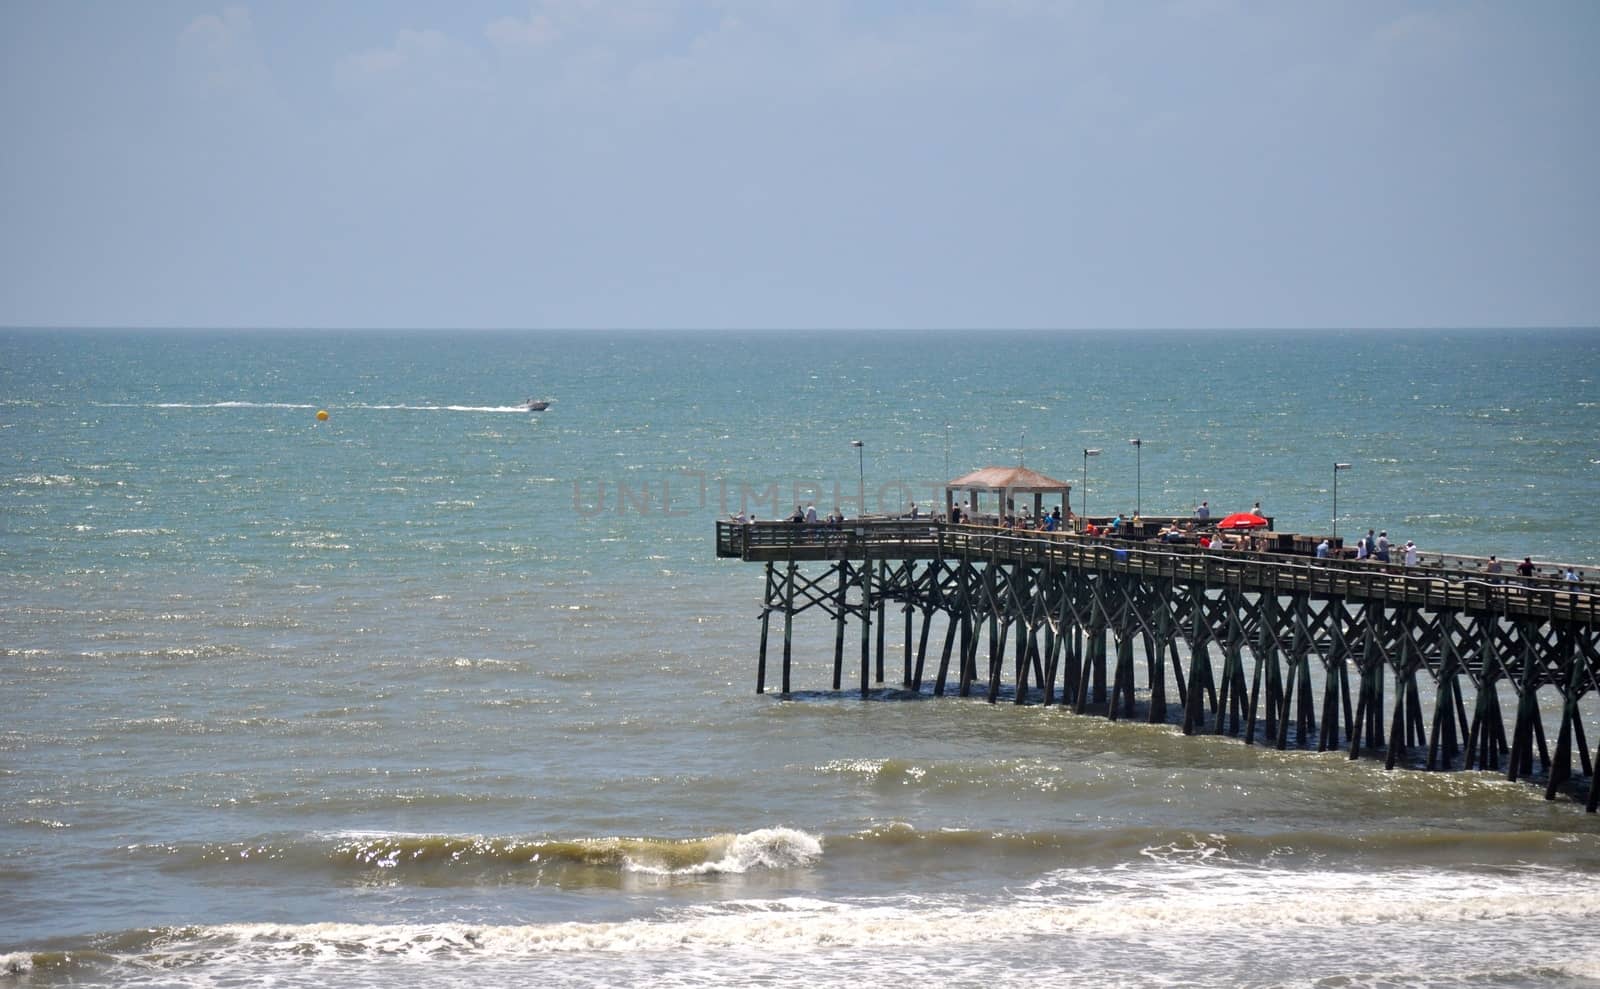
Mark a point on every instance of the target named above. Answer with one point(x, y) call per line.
point(1006, 483)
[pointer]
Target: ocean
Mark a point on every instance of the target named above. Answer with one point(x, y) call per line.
point(444, 691)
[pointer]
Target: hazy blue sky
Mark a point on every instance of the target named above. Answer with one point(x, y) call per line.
point(766, 163)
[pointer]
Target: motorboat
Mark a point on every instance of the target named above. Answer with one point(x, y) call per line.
point(536, 405)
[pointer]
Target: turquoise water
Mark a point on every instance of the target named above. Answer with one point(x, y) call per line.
point(443, 689)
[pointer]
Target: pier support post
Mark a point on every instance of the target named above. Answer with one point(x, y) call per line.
point(1231, 692)
point(1443, 731)
point(967, 629)
point(1401, 735)
point(1052, 645)
point(882, 599)
point(1163, 640)
point(1561, 768)
point(952, 626)
point(1336, 677)
point(1092, 678)
point(841, 608)
point(1122, 684)
point(766, 618)
point(1486, 736)
point(866, 627)
point(1530, 726)
point(911, 616)
point(922, 649)
point(788, 626)
point(1297, 684)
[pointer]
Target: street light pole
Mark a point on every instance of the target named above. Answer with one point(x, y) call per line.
point(1138, 474)
point(861, 476)
point(1336, 469)
point(1087, 453)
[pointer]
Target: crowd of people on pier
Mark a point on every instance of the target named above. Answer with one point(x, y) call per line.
point(1197, 530)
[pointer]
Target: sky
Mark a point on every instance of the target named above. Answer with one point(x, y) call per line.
point(800, 164)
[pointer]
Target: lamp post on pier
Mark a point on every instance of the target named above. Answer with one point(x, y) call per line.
point(1336, 469)
point(1088, 452)
point(861, 476)
point(1138, 474)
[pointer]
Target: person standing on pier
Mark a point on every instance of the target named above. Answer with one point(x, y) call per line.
point(1203, 513)
point(1322, 549)
point(1383, 547)
point(1525, 568)
point(1411, 555)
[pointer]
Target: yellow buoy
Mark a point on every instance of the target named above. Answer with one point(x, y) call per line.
point(322, 415)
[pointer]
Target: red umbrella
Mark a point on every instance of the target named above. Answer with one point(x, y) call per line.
point(1242, 520)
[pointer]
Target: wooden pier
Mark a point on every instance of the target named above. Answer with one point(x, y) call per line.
point(1494, 654)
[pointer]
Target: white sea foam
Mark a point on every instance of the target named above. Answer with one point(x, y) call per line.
point(1196, 897)
point(1212, 908)
point(398, 407)
point(1258, 914)
point(442, 408)
point(232, 405)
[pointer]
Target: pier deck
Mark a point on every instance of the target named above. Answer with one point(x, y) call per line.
point(906, 539)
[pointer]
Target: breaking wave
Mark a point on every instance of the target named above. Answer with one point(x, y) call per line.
point(475, 856)
point(1182, 911)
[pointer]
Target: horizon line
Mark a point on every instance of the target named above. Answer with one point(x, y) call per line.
point(1254, 328)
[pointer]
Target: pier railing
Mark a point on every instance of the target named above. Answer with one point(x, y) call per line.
point(1433, 587)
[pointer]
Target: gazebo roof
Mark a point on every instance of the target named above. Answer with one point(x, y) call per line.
point(1007, 479)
